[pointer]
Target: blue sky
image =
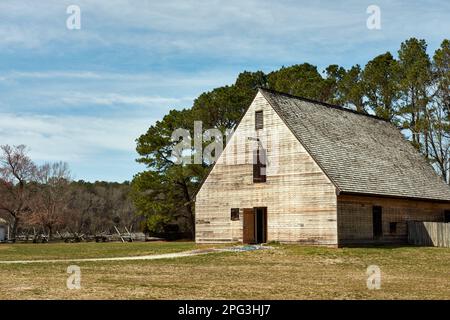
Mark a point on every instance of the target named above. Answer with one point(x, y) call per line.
point(83, 96)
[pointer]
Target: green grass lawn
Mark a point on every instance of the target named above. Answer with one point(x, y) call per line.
point(288, 272)
point(88, 250)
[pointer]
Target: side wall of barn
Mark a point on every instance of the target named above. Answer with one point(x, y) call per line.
point(355, 217)
point(300, 199)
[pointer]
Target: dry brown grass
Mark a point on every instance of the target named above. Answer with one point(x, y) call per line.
point(289, 272)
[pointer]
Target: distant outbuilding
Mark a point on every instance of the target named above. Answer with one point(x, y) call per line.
point(3, 230)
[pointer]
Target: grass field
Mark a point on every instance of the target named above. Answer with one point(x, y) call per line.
point(89, 250)
point(288, 272)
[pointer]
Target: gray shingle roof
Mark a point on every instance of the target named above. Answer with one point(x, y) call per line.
point(359, 153)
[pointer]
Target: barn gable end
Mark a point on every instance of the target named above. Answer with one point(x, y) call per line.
point(299, 197)
point(335, 177)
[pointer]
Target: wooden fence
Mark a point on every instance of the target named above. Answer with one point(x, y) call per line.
point(429, 233)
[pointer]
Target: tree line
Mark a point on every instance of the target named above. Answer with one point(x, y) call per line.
point(410, 89)
point(43, 199)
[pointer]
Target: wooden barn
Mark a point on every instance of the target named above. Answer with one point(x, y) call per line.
point(302, 171)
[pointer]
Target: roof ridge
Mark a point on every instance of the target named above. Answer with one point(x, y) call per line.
point(325, 104)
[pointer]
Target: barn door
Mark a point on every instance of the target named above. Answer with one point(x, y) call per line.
point(249, 226)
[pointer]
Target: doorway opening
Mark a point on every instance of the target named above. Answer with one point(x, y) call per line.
point(377, 222)
point(447, 216)
point(255, 225)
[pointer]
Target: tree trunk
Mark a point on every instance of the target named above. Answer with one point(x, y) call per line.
point(413, 128)
point(192, 220)
point(189, 208)
point(14, 229)
point(50, 233)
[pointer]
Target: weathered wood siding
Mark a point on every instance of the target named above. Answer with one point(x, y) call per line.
point(300, 199)
point(429, 233)
point(355, 217)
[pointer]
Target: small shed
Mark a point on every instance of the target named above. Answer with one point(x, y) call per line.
point(3, 230)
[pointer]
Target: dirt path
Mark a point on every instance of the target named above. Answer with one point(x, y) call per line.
point(146, 257)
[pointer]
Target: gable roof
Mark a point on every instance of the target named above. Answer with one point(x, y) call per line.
point(359, 153)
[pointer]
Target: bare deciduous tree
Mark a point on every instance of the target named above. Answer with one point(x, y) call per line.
point(17, 172)
point(50, 203)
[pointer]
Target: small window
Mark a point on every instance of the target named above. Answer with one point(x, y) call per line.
point(259, 165)
point(259, 121)
point(234, 214)
point(392, 227)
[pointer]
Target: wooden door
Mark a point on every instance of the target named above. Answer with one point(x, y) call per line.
point(249, 226)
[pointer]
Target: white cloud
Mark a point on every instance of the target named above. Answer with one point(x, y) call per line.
point(71, 138)
point(139, 94)
point(79, 98)
point(242, 29)
point(52, 75)
point(162, 78)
